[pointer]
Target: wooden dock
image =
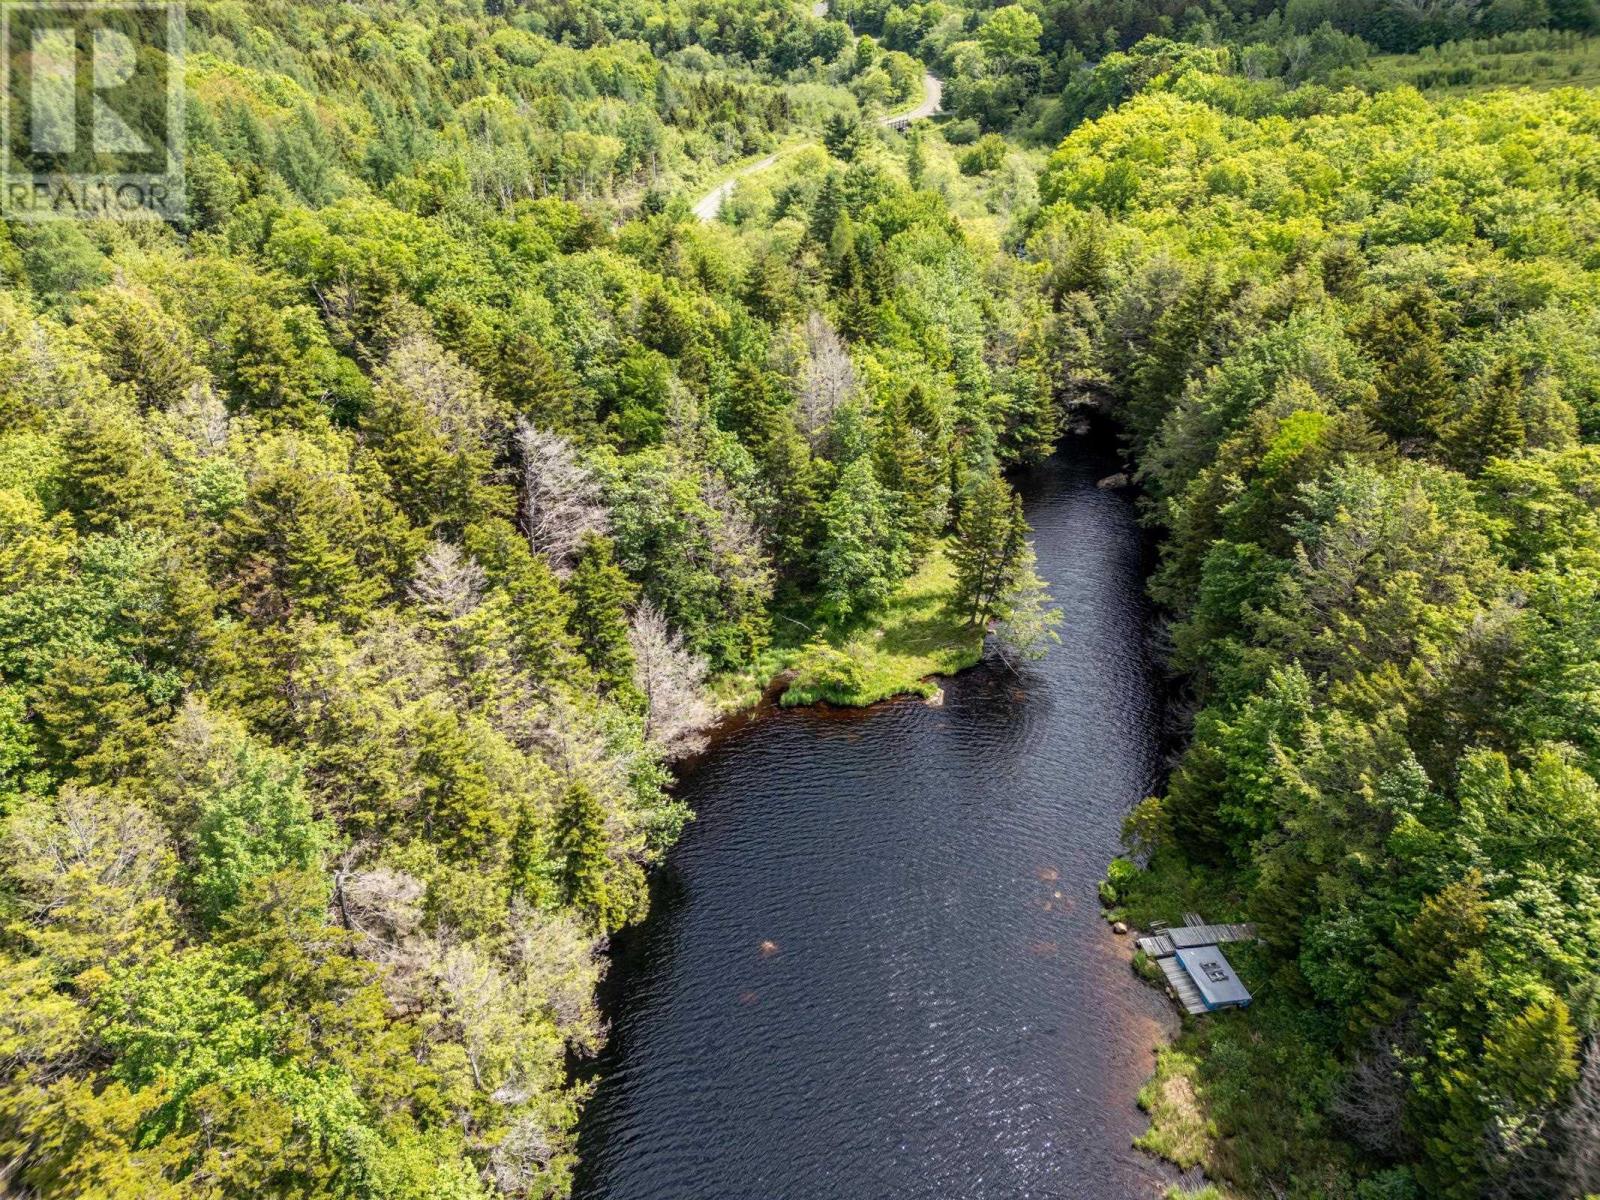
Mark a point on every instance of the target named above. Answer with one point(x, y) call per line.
point(1165, 942)
point(1162, 944)
point(1183, 987)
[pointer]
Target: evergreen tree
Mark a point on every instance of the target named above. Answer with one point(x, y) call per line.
point(94, 724)
point(111, 477)
point(140, 346)
point(827, 208)
point(298, 541)
point(457, 808)
point(1493, 427)
point(990, 549)
point(538, 611)
point(275, 367)
point(910, 468)
point(862, 555)
point(769, 289)
point(583, 859)
point(601, 596)
point(842, 134)
point(1178, 344)
point(1415, 390)
point(518, 369)
point(1028, 629)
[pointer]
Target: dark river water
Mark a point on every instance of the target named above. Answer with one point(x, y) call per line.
point(876, 966)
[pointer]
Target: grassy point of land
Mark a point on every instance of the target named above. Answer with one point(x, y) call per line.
point(895, 652)
point(900, 648)
point(1177, 1130)
point(915, 636)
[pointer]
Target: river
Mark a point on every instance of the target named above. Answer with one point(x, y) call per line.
point(876, 966)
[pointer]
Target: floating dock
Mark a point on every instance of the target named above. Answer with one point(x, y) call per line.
point(1163, 943)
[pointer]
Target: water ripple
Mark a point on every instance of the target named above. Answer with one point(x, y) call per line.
point(876, 966)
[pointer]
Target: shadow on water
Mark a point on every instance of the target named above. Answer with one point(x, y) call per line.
point(876, 965)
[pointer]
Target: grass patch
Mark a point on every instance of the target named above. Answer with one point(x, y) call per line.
point(894, 653)
point(1177, 1130)
point(913, 637)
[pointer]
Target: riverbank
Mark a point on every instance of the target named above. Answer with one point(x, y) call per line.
point(1208, 1110)
point(916, 638)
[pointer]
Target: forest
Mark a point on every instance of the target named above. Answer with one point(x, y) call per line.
point(374, 541)
point(1351, 341)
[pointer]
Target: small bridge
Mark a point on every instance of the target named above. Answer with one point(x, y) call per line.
point(932, 102)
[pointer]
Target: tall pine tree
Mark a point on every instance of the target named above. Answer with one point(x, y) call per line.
point(1493, 427)
point(991, 542)
point(601, 595)
point(1415, 390)
point(583, 861)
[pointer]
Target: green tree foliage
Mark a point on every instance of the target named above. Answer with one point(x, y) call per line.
point(325, 521)
point(584, 865)
point(111, 477)
point(861, 556)
point(302, 540)
point(238, 810)
point(1377, 558)
point(93, 725)
point(329, 524)
point(1415, 391)
point(601, 595)
point(990, 553)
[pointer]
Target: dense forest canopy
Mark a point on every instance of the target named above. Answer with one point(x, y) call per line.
point(368, 544)
point(1352, 341)
point(372, 542)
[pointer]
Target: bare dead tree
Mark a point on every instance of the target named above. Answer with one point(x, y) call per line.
point(383, 907)
point(1028, 629)
point(426, 373)
point(827, 378)
point(572, 743)
point(734, 537)
point(447, 581)
point(560, 965)
point(1577, 1132)
point(672, 679)
point(475, 998)
point(1371, 1103)
point(197, 421)
point(56, 848)
point(521, 1156)
point(561, 502)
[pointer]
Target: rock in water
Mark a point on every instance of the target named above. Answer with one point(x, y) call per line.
point(1119, 480)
